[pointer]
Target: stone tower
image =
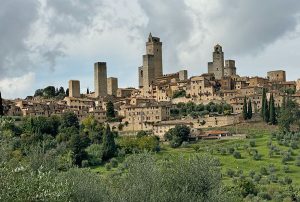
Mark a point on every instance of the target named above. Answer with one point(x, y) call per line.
point(154, 47)
point(74, 88)
point(100, 79)
point(152, 62)
point(112, 86)
point(230, 69)
point(217, 66)
point(148, 70)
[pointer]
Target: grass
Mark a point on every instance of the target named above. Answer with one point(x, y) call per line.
point(257, 131)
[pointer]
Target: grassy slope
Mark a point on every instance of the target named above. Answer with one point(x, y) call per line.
point(258, 131)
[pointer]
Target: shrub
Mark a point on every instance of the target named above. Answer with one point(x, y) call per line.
point(288, 180)
point(114, 162)
point(264, 171)
point(230, 172)
point(251, 173)
point(286, 169)
point(85, 163)
point(108, 166)
point(237, 155)
point(272, 168)
point(252, 143)
point(264, 195)
point(257, 177)
point(294, 145)
point(257, 156)
point(230, 150)
point(273, 178)
point(223, 151)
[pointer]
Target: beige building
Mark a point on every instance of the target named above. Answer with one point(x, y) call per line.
point(112, 86)
point(100, 79)
point(74, 88)
point(277, 76)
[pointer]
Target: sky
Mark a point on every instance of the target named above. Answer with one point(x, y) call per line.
point(49, 42)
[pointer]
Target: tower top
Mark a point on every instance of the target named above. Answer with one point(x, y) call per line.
point(218, 48)
point(153, 39)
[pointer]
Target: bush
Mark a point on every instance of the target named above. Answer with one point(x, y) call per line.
point(114, 162)
point(223, 151)
point(257, 177)
point(85, 163)
point(264, 195)
point(272, 168)
point(257, 156)
point(264, 171)
point(288, 180)
point(237, 155)
point(273, 178)
point(286, 169)
point(252, 173)
point(252, 143)
point(108, 166)
point(230, 173)
point(230, 150)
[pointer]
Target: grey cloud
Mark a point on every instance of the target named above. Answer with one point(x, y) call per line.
point(16, 18)
point(171, 22)
point(247, 27)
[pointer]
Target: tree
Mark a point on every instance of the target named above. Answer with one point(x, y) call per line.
point(273, 120)
point(266, 111)
point(87, 91)
point(61, 91)
point(49, 91)
point(108, 144)
point(245, 113)
point(39, 92)
point(69, 119)
point(249, 112)
point(110, 110)
point(1, 106)
point(264, 97)
point(77, 146)
point(177, 135)
point(141, 134)
point(67, 92)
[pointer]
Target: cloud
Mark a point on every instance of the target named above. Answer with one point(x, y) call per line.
point(21, 86)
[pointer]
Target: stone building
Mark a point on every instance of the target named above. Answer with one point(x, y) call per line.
point(74, 88)
point(276, 76)
point(216, 67)
point(230, 69)
point(100, 79)
point(152, 62)
point(112, 86)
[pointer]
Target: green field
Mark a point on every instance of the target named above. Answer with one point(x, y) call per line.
point(258, 131)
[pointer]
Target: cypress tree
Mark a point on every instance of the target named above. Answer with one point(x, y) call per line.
point(87, 91)
point(108, 145)
point(266, 111)
point(272, 111)
point(110, 110)
point(1, 106)
point(249, 113)
point(283, 104)
point(245, 114)
point(263, 101)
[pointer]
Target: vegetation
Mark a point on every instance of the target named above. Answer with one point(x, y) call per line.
point(199, 110)
point(176, 136)
point(177, 94)
point(51, 92)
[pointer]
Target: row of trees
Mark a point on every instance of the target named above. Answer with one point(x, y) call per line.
point(268, 110)
point(51, 92)
point(247, 109)
point(197, 110)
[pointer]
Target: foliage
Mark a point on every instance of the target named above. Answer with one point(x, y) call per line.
point(108, 146)
point(245, 112)
point(144, 143)
point(1, 106)
point(177, 135)
point(110, 110)
point(141, 134)
point(249, 110)
point(180, 93)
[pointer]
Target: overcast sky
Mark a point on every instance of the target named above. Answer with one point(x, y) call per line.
point(48, 42)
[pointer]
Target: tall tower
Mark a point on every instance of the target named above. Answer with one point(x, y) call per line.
point(74, 88)
point(148, 70)
point(100, 79)
point(154, 47)
point(112, 86)
point(217, 66)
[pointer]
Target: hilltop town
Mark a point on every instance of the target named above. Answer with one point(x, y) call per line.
point(162, 100)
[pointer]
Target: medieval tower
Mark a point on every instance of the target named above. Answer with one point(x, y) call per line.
point(152, 62)
point(217, 66)
point(100, 79)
